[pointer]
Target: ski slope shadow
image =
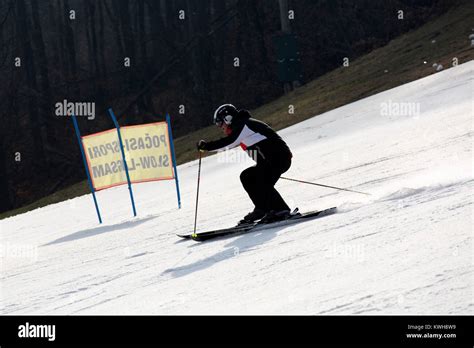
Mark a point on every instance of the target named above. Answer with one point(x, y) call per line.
point(245, 242)
point(90, 232)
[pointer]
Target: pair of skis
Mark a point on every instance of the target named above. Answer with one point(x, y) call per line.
point(258, 226)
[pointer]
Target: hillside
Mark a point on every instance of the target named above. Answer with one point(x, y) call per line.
point(401, 61)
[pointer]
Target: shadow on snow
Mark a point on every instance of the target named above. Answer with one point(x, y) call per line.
point(244, 243)
point(99, 230)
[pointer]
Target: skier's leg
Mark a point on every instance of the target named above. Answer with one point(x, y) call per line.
point(250, 183)
point(259, 182)
point(260, 186)
point(274, 200)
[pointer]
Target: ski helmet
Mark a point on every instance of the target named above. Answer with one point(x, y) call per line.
point(224, 114)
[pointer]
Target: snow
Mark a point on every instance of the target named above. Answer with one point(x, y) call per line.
point(405, 249)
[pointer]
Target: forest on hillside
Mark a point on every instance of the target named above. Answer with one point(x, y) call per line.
point(146, 58)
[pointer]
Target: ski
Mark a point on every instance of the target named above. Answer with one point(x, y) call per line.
point(203, 236)
point(222, 231)
point(234, 229)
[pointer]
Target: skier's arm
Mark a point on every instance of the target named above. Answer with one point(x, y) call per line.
point(228, 142)
point(225, 143)
point(217, 145)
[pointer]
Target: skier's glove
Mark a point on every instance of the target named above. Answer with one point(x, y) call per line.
point(202, 145)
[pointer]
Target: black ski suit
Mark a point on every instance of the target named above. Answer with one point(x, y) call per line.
point(267, 148)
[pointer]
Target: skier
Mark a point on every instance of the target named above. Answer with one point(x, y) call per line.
point(267, 148)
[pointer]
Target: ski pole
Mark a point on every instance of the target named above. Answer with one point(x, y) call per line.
point(197, 193)
point(333, 187)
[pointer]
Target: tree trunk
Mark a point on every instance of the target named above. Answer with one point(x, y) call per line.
point(116, 26)
point(101, 40)
point(94, 57)
point(142, 35)
point(5, 202)
point(47, 126)
point(71, 47)
point(29, 65)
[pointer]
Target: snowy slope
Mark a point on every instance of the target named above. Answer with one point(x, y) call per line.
point(407, 249)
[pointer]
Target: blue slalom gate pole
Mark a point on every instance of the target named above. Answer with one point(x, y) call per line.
point(170, 134)
point(78, 134)
point(111, 113)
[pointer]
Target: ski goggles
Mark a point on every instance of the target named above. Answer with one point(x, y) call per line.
point(226, 120)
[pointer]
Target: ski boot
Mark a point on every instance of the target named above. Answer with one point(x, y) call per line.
point(274, 216)
point(251, 217)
